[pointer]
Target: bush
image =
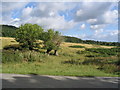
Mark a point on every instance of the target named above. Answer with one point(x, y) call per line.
point(72, 61)
point(92, 61)
point(109, 68)
point(13, 47)
point(20, 56)
point(104, 51)
point(80, 52)
point(67, 54)
point(77, 46)
point(10, 56)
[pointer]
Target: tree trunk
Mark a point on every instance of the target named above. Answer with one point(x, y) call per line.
point(48, 51)
point(30, 45)
point(55, 52)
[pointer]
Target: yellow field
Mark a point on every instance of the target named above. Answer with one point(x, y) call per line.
point(4, 41)
point(8, 41)
point(85, 45)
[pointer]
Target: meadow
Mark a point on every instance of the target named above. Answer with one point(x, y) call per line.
point(75, 59)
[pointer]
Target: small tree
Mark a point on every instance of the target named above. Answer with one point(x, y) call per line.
point(52, 40)
point(27, 35)
point(57, 40)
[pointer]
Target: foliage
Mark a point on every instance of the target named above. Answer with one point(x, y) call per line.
point(78, 40)
point(91, 61)
point(52, 40)
point(13, 47)
point(109, 68)
point(77, 46)
point(27, 35)
point(21, 56)
point(7, 31)
point(72, 39)
point(105, 51)
point(67, 63)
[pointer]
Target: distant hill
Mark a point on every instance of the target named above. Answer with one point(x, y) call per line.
point(72, 39)
point(9, 31)
point(77, 40)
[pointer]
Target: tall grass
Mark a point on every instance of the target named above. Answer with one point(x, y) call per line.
point(21, 56)
point(74, 61)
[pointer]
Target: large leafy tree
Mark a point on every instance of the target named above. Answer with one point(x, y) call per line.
point(27, 35)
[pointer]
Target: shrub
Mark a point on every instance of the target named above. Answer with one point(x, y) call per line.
point(77, 46)
point(20, 56)
point(72, 61)
point(13, 47)
point(92, 61)
point(104, 51)
point(109, 68)
point(11, 56)
point(80, 52)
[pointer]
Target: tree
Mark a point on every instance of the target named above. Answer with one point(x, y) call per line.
point(57, 40)
point(52, 40)
point(27, 35)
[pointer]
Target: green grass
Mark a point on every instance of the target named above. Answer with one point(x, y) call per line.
point(53, 69)
point(49, 65)
point(77, 46)
point(70, 62)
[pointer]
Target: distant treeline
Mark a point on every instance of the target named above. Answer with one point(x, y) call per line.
point(77, 40)
point(9, 31)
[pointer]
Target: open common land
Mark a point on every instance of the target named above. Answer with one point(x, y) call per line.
point(75, 59)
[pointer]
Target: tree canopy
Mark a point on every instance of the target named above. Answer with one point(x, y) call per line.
point(27, 34)
point(52, 40)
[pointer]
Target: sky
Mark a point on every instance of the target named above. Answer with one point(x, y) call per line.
point(85, 20)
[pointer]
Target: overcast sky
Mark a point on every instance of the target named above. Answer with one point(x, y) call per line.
point(85, 20)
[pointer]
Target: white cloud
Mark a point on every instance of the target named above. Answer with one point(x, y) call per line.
point(110, 16)
point(57, 23)
point(7, 11)
point(79, 12)
point(97, 27)
point(82, 26)
point(98, 15)
point(26, 12)
point(91, 21)
point(50, 9)
point(91, 10)
point(46, 15)
point(9, 6)
point(103, 35)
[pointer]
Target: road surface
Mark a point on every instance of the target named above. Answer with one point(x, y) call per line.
point(47, 81)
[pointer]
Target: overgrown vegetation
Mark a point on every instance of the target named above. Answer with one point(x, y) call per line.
point(28, 55)
point(52, 40)
point(9, 31)
point(64, 64)
point(104, 51)
point(28, 34)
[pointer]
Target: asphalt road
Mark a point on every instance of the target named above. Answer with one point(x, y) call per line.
point(47, 81)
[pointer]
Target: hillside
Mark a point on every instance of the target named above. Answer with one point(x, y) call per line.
point(85, 60)
point(9, 31)
point(77, 40)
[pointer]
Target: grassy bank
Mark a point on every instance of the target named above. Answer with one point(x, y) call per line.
point(72, 61)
